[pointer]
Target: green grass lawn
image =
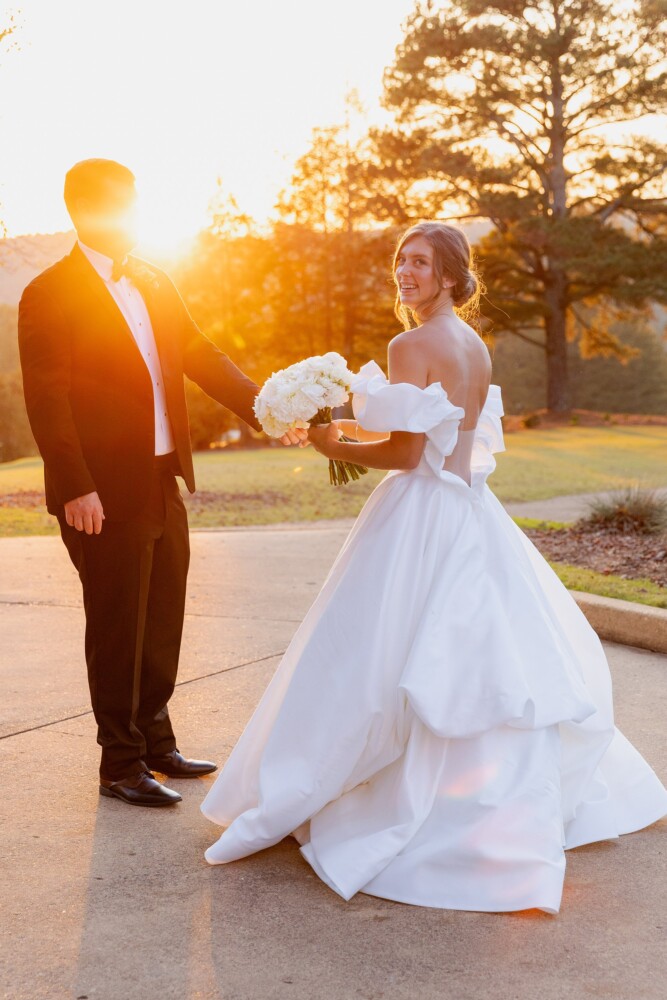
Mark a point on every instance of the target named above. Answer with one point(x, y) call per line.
point(270, 485)
point(263, 486)
point(24, 474)
point(640, 591)
point(546, 463)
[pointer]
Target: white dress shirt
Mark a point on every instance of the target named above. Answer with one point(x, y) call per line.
point(135, 313)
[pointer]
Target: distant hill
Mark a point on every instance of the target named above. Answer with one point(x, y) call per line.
point(23, 257)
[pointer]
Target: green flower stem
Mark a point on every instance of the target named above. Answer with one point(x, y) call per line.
point(340, 473)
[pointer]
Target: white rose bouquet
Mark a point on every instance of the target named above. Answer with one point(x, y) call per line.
point(304, 394)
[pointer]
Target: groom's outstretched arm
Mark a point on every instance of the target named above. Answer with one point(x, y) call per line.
point(214, 370)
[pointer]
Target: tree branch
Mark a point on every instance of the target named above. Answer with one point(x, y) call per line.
point(613, 206)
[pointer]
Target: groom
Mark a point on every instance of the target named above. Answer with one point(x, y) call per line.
point(105, 340)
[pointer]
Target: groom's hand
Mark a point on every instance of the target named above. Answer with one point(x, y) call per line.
point(85, 513)
point(297, 436)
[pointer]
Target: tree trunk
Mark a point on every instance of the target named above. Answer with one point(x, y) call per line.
point(558, 391)
point(328, 319)
point(349, 300)
point(558, 394)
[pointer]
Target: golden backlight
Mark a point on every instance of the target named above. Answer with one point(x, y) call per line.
point(181, 93)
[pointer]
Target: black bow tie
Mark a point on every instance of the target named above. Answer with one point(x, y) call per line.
point(141, 275)
point(120, 268)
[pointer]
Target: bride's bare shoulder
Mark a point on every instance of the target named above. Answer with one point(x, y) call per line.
point(418, 355)
point(406, 361)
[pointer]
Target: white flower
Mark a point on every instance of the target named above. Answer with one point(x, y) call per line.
point(292, 396)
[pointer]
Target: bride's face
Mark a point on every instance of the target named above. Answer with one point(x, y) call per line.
point(415, 276)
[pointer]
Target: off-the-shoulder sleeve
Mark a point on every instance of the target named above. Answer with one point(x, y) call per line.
point(380, 405)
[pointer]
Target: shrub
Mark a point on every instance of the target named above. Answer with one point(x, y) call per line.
point(631, 511)
point(532, 420)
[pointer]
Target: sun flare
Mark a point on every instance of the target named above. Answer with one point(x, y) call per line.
point(182, 96)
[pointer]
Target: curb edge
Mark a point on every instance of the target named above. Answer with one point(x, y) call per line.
point(625, 622)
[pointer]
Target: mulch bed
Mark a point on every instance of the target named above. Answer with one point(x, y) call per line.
point(211, 500)
point(630, 556)
point(200, 502)
point(24, 500)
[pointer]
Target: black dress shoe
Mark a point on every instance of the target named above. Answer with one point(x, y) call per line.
point(140, 790)
point(175, 765)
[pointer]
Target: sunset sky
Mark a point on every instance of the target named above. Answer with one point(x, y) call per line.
point(181, 93)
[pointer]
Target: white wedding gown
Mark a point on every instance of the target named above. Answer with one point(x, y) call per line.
point(440, 728)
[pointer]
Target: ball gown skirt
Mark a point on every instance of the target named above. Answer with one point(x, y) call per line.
point(440, 729)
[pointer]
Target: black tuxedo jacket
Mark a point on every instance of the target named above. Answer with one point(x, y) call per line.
point(88, 391)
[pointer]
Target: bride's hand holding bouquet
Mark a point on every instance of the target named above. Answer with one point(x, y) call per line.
point(302, 397)
point(325, 437)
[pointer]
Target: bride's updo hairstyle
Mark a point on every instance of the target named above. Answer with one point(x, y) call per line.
point(452, 258)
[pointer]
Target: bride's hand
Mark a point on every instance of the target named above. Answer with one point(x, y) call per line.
point(324, 437)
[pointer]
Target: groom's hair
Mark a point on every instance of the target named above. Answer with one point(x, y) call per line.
point(91, 179)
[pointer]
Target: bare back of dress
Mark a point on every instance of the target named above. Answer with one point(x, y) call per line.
point(463, 366)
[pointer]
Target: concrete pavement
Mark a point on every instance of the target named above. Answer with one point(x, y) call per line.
point(107, 902)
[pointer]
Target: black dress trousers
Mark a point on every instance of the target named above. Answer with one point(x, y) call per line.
point(134, 576)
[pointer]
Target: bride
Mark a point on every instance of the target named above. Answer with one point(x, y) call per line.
point(440, 729)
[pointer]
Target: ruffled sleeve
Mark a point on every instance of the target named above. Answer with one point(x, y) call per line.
point(383, 406)
point(488, 436)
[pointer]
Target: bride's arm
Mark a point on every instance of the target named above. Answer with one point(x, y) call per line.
point(350, 428)
point(401, 450)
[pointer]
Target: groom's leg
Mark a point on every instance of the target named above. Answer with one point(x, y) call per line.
point(164, 622)
point(114, 568)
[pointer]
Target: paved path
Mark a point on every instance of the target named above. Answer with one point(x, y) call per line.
point(107, 902)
